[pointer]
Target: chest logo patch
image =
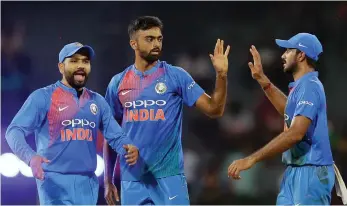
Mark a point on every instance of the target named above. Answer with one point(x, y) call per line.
point(94, 109)
point(160, 88)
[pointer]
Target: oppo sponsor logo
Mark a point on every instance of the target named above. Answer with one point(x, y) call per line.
point(144, 103)
point(305, 102)
point(78, 122)
point(191, 85)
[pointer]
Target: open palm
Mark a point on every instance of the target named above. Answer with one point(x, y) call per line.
point(220, 58)
point(256, 67)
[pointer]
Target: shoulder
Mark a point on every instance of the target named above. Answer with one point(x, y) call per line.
point(98, 99)
point(310, 90)
point(311, 85)
point(117, 78)
point(174, 70)
point(94, 95)
point(41, 97)
point(44, 93)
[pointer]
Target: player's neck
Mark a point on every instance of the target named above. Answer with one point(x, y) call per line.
point(143, 65)
point(302, 71)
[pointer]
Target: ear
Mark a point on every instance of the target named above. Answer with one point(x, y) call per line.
point(301, 56)
point(133, 44)
point(61, 67)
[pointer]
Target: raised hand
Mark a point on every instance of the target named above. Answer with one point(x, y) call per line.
point(256, 67)
point(220, 58)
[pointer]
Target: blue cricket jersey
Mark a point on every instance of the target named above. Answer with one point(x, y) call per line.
point(150, 107)
point(307, 98)
point(65, 128)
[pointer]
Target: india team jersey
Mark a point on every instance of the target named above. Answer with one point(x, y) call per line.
point(65, 128)
point(150, 105)
point(307, 98)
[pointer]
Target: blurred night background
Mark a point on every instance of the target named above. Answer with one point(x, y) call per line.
point(33, 33)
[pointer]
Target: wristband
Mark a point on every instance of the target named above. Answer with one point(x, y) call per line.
point(267, 86)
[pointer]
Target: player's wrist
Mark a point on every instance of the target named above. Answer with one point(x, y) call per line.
point(252, 159)
point(221, 74)
point(108, 184)
point(264, 81)
point(267, 86)
point(32, 159)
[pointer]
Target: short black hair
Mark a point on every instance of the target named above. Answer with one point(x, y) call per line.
point(144, 23)
point(311, 62)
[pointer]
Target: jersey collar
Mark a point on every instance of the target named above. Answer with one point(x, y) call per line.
point(148, 72)
point(68, 89)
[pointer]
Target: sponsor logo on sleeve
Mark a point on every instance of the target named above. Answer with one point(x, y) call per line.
point(191, 85)
point(305, 102)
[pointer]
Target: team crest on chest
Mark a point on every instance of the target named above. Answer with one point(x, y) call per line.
point(160, 88)
point(94, 108)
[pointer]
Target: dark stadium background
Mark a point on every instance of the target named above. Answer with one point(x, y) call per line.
point(32, 34)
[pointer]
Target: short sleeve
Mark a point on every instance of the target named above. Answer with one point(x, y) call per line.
point(188, 89)
point(307, 101)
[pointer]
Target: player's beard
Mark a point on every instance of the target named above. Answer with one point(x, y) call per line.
point(291, 68)
point(149, 56)
point(76, 84)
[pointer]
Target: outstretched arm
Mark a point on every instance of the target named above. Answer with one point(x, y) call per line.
point(115, 136)
point(278, 145)
point(213, 106)
point(276, 96)
point(307, 106)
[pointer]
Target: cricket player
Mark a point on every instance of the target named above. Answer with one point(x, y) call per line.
point(309, 176)
point(147, 98)
point(65, 117)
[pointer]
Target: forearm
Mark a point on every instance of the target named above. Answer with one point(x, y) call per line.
point(278, 145)
point(108, 163)
point(114, 135)
point(16, 140)
point(218, 97)
point(275, 95)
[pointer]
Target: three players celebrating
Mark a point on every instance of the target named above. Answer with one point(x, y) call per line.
point(147, 99)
